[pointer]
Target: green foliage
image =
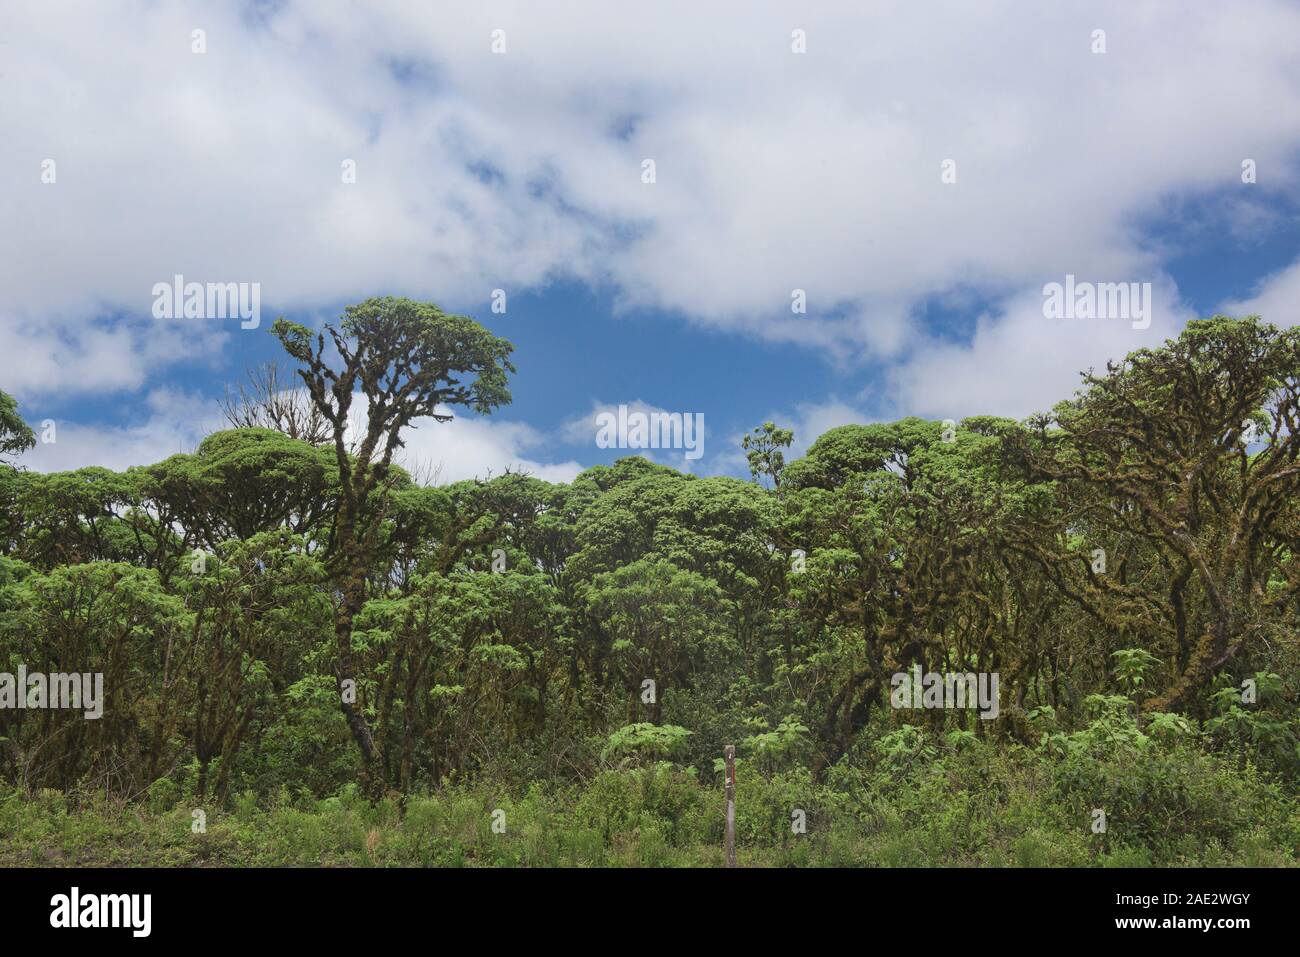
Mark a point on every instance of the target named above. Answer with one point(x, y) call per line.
point(788, 743)
point(15, 436)
point(1131, 666)
point(645, 742)
point(342, 665)
point(763, 451)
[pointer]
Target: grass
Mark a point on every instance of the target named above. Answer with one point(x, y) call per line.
point(659, 817)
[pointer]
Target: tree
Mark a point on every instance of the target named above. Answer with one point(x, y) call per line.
point(406, 360)
point(256, 613)
point(902, 532)
point(243, 481)
point(1155, 463)
point(15, 436)
point(663, 626)
point(267, 402)
point(102, 617)
point(763, 450)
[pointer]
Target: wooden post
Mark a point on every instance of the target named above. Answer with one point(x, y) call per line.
point(729, 753)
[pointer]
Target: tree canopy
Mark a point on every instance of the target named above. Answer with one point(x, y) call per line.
point(271, 613)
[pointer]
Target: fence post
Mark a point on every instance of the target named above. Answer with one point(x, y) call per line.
point(729, 753)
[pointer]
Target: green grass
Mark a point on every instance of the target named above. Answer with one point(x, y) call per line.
point(981, 812)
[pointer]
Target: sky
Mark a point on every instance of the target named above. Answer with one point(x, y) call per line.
point(915, 173)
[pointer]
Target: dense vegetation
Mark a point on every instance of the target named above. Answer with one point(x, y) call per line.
point(337, 663)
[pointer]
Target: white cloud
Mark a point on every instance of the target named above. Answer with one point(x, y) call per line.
point(62, 357)
point(810, 420)
point(1276, 299)
point(583, 430)
point(171, 422)
point(775, 170)
point(1019, 362)
point(468, 447)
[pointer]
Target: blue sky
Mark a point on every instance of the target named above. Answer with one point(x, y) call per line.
point(521, 168)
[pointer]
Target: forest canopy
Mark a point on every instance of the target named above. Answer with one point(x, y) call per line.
point(286, 615)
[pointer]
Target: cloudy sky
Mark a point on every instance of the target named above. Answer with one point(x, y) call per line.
point(515, 160)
